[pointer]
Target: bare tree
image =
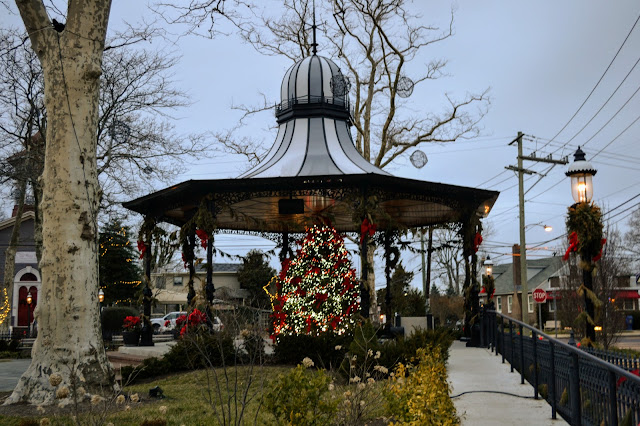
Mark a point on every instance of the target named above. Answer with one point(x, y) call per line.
point(632, 237)
point(448, 256)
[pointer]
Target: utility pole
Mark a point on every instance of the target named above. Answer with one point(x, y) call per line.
point(524, 300)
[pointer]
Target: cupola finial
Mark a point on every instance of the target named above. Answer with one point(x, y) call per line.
point(314, 45)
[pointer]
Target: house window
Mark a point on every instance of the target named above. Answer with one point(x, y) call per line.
point(628, 304)
point(160, 282)
point(552, 305)
point(530, 300)
point(499, 303)
point(177, 281)
point(509, 304)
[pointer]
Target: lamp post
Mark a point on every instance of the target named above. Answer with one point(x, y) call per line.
point(581, 173)
point(29, 301)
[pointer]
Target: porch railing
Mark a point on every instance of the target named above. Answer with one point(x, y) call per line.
point(582, 388)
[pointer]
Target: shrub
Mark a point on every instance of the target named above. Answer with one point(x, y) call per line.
point(113, 317)
point(419, 393)
point(301, 397)
point(321, 349)
point(201, 350)
point(151, 367)
point(252, 346)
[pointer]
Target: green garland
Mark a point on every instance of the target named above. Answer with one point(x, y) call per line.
point(585, 219)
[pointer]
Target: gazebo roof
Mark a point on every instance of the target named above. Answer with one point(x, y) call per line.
point(314, 173)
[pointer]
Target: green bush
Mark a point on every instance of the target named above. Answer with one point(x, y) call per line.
point(321, 349)
point(301, 397)
point(202, 350)
point(113, 317)
point(150, 368)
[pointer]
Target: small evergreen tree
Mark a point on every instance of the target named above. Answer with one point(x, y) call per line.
point(405, 300)
point(317, 292)
point(254, 274)
point(119, 270)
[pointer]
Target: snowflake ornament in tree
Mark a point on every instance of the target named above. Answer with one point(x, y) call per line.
point(317, 292)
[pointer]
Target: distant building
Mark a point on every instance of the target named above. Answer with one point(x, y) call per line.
point(550, 274)
point(170, 286)
point(26, 274)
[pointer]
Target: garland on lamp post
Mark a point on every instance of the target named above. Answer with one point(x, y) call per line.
point(585, 229)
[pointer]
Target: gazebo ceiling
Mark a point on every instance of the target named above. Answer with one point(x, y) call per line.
point(314, 173)
point(255, 204)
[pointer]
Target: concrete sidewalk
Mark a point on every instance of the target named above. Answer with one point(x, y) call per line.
point(477, 369)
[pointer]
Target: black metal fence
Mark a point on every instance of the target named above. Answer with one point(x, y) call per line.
point(581, 387)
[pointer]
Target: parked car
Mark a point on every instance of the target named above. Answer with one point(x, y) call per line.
point(168, 322)
point(159, 323)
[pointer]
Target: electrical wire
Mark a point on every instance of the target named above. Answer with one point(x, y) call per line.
point(599, 80)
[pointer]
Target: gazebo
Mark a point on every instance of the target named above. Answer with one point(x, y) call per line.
point(312, 174)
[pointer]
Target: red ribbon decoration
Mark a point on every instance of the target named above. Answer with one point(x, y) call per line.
point(367, 228)
point(142, 248)
point(599, 255)
point(573, 245)
point(477, 240)
point(202, 234)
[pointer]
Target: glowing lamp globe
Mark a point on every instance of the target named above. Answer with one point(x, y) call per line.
point(581, 173)
point(488, 266)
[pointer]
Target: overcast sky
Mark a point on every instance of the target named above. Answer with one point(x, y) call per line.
point(541, 60)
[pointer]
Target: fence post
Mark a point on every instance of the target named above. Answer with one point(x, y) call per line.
point(495, 333)
point(502, 340)
point(520, 328)
point(574, 390)
point(534, 336)
point(613, 413)
point(482, 326)
point(513, 345)
point(552, 385)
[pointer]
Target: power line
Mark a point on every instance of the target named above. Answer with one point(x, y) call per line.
point(599, 80)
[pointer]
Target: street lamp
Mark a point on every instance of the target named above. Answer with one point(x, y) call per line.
point(581, 173)
point(488, 266)
point(101, 296)
point(29, 301)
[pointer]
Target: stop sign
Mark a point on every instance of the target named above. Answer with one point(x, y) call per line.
point(539, 295)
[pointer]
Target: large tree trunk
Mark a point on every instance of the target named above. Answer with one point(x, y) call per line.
point(69, 342)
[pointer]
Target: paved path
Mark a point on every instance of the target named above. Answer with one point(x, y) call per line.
point(477, 369)
point(10, 372)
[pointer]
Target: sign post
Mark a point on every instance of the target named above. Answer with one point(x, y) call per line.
point(540, 297)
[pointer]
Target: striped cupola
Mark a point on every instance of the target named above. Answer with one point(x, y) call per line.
point(313, 118)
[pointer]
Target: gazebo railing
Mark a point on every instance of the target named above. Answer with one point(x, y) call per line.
point(339, 101)
point(581, 387)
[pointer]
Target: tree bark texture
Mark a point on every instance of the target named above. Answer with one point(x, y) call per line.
point(69, 342)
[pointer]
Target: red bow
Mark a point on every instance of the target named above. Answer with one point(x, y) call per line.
point(142, 248)
point(573, 245)
point(599, 255)
point(367, 228)
point(477, 240)
point(203, 237)
point(621, 380)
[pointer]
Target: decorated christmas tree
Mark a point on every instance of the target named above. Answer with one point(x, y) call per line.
point(317, 292)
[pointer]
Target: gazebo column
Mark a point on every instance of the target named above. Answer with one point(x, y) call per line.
point(146, 335)
point(365, 294)
point(387, 273)
point(191, 241)
point(284, 252)
point(470, 235)
point(209, 288)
